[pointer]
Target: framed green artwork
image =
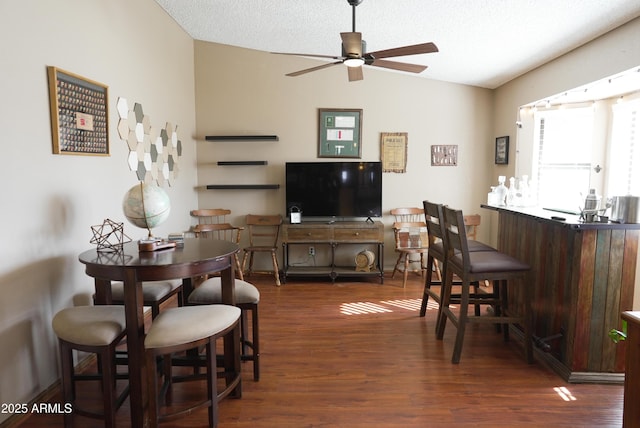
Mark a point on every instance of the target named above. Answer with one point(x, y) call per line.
point(339, 134)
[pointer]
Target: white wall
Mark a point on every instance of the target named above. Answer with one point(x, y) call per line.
point(49, 202)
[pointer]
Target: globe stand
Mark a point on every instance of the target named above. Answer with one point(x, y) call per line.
point(155, 245)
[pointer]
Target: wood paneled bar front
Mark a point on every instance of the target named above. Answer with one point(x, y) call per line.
point(583, 276)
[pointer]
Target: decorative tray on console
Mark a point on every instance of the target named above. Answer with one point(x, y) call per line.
point(155, 244)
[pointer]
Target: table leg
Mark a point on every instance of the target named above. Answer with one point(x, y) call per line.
point(232, 350)
point(103, 291)
point(133, 302)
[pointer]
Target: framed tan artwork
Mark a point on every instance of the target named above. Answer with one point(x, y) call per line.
point(79, 114)
point(393, 149)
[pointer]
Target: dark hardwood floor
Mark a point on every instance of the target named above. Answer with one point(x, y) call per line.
point(356, 354)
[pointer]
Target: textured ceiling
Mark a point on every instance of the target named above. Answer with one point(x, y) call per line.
point(483, 43)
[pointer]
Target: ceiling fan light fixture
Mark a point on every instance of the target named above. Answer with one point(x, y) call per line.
point(354, 62)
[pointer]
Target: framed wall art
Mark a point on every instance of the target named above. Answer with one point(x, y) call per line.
point(444, 155)
point(79, 114)
point(339, 134)
point(393, 150)
point(502, 150)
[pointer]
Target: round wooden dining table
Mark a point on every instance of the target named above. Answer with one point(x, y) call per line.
point(196, 258)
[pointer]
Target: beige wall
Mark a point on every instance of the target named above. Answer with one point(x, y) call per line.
point(50, 201)
point(250, 94)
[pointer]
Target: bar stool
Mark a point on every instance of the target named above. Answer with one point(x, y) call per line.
point(477, 266)
point(98, 330)
point(154, 293)
point(434, 219)
point(247, 299)
point(182, 329)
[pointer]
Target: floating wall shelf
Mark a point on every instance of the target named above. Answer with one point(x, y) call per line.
point(228, 163)
point(241, 186)
point(241, 138)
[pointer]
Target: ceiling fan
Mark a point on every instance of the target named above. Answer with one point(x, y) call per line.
point(354, 54)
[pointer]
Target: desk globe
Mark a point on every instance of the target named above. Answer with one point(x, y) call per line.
point(146, 206)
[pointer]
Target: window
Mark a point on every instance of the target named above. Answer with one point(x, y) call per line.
point(562, 156)
point(624, 179)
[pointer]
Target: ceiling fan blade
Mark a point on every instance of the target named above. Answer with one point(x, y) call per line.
point(309, 70)
point(352, 44)
point(355, 73)
point(422, 48)
point(401, 66)
point(309, 55)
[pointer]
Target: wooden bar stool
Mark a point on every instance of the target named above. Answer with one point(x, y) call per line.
point(437, 255)
point(478, 266)
point(182, 329)
point(247, 299)
point(98, 330)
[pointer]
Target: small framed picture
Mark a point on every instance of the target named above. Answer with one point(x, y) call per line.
point(502, 150)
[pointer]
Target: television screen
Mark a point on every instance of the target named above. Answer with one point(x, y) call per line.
point(334, 189)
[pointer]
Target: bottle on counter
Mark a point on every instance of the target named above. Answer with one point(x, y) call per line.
point(592, 200)
point(501, 191)
point(512, 193)
point(525, 191)
point(492, 197)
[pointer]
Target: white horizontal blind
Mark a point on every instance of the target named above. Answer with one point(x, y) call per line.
point(624, 178)
point(562, 160)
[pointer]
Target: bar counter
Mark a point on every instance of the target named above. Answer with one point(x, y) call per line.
point(583, 276)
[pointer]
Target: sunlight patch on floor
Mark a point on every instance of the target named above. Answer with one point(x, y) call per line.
point(564, 393)
point(360, 308)
point(409, 304)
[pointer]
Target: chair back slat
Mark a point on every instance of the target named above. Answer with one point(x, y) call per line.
point(408, 215)
point(456, 236)
point(211, 215)
point(223, 231)
point(435, 227)
point(264, 230)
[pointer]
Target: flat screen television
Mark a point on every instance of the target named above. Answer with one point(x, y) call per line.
point(334, 189)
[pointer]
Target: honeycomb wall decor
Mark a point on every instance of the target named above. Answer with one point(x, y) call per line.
point(154, 154)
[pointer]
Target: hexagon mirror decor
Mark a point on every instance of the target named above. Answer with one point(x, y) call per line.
point(154, 154)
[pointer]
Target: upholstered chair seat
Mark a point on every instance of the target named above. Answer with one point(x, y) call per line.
point(182, 329)
point(97, 330)
point(247, 299)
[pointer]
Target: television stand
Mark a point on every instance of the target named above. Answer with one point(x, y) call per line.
point(358, 235)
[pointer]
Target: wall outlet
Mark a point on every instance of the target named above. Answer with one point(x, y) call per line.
point(312, 251)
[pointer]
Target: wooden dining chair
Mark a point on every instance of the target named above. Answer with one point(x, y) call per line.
point(411, 240)
point(264, 231)
point(212, 224)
